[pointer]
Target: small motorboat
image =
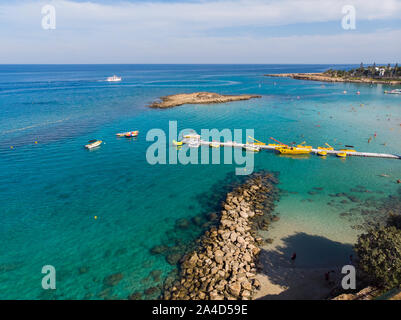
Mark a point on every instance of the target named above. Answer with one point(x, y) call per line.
point(347, 150)
point(251, 148)
point(114, 79)
point(93, 144)
point(322, 153)
point(127, 134)
point(177, 143)
point(131, 134)
point(341, 155)
point(214, 144)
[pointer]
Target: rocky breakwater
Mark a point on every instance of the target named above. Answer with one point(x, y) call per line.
point(224, 265)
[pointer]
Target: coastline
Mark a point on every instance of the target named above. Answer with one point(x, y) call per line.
point(324, 78)
point(198, 98)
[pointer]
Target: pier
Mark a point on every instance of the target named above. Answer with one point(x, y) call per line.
point(195, 141)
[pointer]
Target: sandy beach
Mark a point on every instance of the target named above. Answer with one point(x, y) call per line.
point(282, 279)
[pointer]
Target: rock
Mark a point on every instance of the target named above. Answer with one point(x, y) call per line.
point(243, 214)
point(152, 291)
point(256, 284)
point(173, 258)
point(215, 296)
point(218, 256)
point(246, 257)
point(213, 216)
point(193, 259)
point(135, 296)
point(246, 294)
point(113, 279)
point(182, 223)
point(83, 270)
point(240, 240)
point(197, 221)
point(155, 274)
point(234, 289)
point(159, 249)
point(246, 285)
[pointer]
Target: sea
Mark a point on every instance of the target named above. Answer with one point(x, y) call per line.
point(97, 216)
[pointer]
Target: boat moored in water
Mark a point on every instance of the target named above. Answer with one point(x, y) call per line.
point(394, 91)
point(93, 144)
point(131, 134)
point(114, 79)
point(127, 134)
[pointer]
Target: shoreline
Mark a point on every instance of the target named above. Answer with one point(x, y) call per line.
point(176, 100)
point(305, 278)
point(325, 78)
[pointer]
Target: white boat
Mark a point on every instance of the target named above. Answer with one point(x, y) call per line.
point(114, 79)
point(93, 144)
point(395, 91)
point(215, 144)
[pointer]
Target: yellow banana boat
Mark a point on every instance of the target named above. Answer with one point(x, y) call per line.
point(293, 150)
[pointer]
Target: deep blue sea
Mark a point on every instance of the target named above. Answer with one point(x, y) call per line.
point(51, 188)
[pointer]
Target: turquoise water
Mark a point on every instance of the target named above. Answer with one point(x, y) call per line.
point(51, 191)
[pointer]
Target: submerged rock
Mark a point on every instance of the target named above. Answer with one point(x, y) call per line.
point(173, 258)
point(182, 223)
point(159, 249)
point(135, 296)
point(113, 279)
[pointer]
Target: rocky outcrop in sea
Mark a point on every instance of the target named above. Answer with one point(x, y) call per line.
point(224, 265)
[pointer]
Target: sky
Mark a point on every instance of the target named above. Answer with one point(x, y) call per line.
point(200, 31)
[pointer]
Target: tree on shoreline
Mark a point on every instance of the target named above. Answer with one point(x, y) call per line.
point(379, 253)
point(387, 72)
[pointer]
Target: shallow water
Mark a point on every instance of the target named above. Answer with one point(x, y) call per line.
point(51, 191)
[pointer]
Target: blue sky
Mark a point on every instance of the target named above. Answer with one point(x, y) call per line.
point(200, 31)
